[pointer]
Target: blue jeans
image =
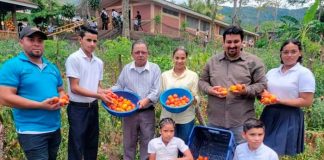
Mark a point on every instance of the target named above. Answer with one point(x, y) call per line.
point(183, 130)
point(40, 146)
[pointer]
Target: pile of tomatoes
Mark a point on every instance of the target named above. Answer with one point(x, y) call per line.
point(268, 98)
point(175, 101)
point(222, 90)
point(236, 88)
point(119, 103)
point(64, 100)
point(9, 25)
point(202, 157)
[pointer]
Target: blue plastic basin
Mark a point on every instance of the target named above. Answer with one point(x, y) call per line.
point(180, 92)
point(134, 98)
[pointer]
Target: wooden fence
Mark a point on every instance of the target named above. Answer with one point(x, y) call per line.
point(8, 35)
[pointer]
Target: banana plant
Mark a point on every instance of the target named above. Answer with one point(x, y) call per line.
point(307, 29)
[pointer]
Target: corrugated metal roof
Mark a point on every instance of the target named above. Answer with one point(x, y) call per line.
point(20, 4)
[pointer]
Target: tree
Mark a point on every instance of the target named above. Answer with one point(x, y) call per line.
point(94, 5)
point(68, 11)
point(275, 4)
point(214, 8)
point(157, 23)
point(125, 12)
point(45, 12)
point(307, 29)
point(236, 11)
point(190, 2)
point(209, 8)
point(320, 13)
point(261, 5)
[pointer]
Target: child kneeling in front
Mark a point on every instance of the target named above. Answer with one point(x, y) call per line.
point(166, 147)
point(254, 149)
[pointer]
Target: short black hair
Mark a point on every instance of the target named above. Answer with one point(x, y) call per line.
point(295, 42)
point(85, 29)
point(233, 30)
point(252, 123)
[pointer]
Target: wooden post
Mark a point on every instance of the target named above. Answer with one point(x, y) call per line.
point(125, 12)
point(14, 19)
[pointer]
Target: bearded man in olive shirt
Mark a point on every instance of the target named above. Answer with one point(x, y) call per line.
point(231, 67)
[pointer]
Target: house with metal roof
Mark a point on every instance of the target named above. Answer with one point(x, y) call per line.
point(173, 17)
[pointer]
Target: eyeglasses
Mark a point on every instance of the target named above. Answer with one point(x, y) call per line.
point(140, 52)
point(292, 52)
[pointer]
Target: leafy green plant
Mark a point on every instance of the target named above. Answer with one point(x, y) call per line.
point(157, 23)
point(262, 43)
point(314, 116)
point(68, 10)
point(58, 51)
point(309, 28)
point(162, 44)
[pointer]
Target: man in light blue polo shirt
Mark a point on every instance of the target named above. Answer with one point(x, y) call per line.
point(30, 84)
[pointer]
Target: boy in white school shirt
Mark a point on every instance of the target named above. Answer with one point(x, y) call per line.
point(254, 149)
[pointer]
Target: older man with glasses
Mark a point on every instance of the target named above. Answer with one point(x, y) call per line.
point(143, 78)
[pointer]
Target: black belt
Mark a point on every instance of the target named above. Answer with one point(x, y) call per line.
point(146, 109)
point(84, 104)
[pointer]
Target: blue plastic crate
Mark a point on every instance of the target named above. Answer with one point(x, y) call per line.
point(180, 92)
point(216, 144)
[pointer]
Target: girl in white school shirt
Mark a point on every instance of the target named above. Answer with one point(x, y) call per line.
point(166, 146)
point(294, 85)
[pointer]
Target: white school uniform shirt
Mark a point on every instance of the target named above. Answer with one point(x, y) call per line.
point(114, 14)
point(88, 71)
point(288, 85)
point(242, 152)
point(169, 151)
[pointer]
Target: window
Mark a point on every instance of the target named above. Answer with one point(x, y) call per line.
point(171, 12)
point(204, 26)
point(192, 22)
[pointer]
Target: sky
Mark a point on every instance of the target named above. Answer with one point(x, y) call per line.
point(251, 4)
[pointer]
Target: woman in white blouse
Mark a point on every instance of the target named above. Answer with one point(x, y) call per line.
point(294, 86)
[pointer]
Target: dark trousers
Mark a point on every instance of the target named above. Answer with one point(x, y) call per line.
point(40, 146)
point(83, 130)
point(104, 25)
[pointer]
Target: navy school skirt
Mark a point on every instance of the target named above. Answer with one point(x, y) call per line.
point(284, 129)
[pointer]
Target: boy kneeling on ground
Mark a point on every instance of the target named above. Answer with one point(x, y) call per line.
point(254, 149)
